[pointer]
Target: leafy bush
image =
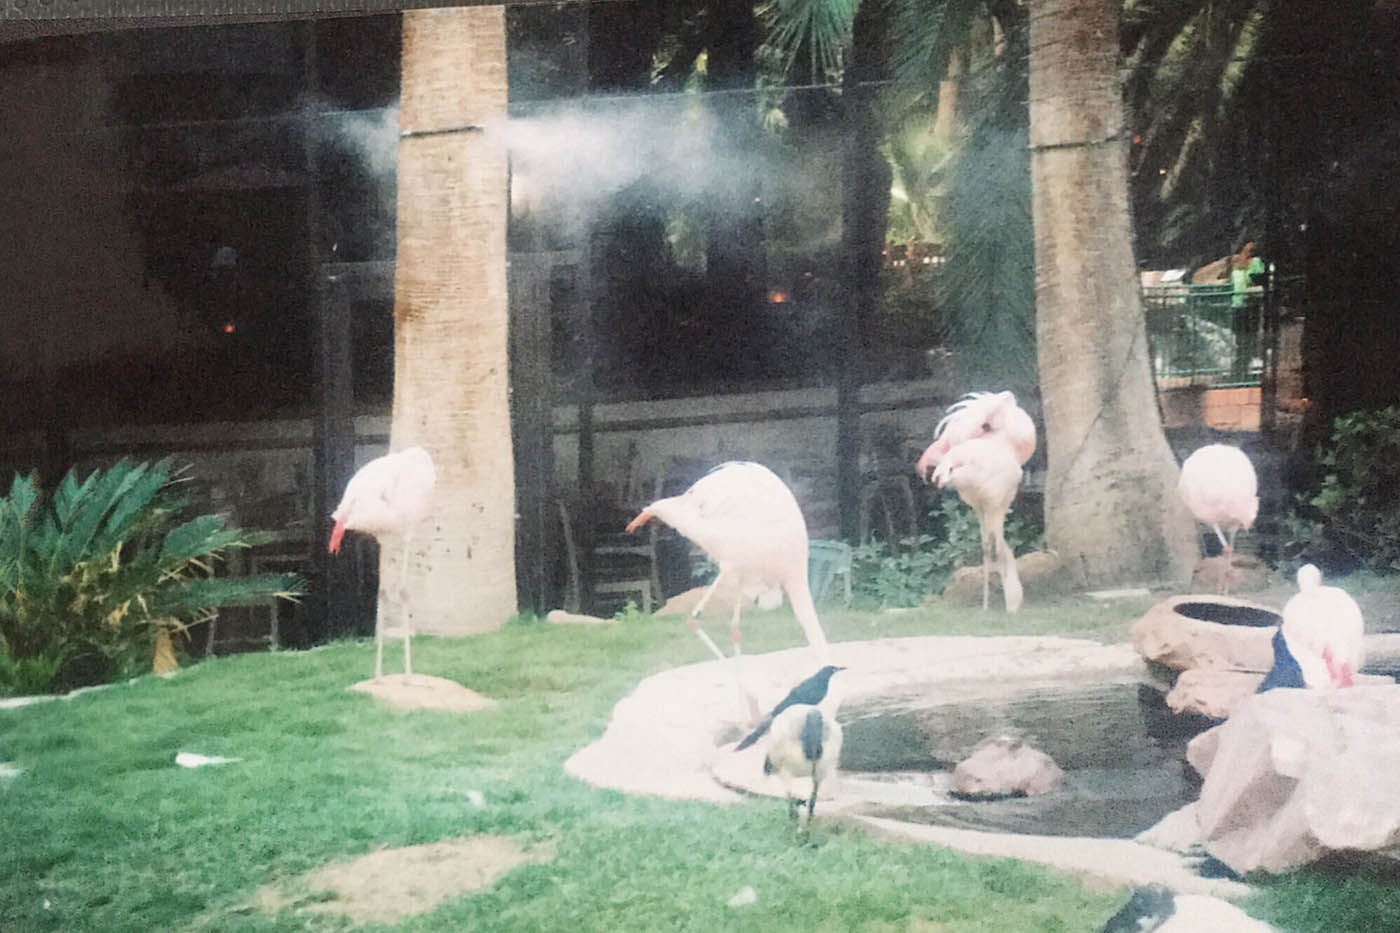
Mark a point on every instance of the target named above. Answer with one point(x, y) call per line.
point(949, 539)
point(94, 578)
point(1358, 503)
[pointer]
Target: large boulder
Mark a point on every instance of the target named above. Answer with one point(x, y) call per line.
point(1005, 766)
point(1185, 632)
point(1248, 574)
point(1211, 692)
point(1214, 692)
point(1293, 775)
point(1042, 575)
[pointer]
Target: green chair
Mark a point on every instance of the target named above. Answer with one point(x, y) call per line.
point(826, 561)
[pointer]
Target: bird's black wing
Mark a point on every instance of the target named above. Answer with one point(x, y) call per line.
point(808, 693)
point(1285, 672)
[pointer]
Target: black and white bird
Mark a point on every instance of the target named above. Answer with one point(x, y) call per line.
point(804, 742)
point(1147, 910)
point(810, 692)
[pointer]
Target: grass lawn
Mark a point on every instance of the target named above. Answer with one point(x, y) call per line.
point(102, 831)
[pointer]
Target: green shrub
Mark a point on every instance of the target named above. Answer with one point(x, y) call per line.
point(94, 577)
point(949, 539)
point(1358, 503)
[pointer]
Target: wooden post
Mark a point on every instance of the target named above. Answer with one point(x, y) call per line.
point(335, 609)
point(532, 429)
point(586, 519)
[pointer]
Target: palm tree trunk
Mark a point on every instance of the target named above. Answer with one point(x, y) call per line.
point(1111, 509)
point(451, 318)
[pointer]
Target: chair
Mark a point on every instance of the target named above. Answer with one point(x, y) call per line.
point(826, 561)
point(615, 564)
point(626, 563)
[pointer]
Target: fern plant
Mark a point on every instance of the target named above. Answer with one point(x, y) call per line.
point(950, 539)
point(97, 577)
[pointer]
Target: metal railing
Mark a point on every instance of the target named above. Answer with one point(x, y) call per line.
point(1205, 335)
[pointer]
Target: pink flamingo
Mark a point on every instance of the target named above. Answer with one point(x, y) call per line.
point(748, 522)
point(386, 499)
point(1220, 488)
point(1324, 631)
point(979, 448)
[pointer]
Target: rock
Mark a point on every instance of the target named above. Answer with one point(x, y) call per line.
point(1042, 575)
point(1178, 831)
point(1005, 766)
point(1294, 775)
point(1247, 575)
point(1214, 693)
point(1179, 633)
point(560, 617)
point(1211, 692)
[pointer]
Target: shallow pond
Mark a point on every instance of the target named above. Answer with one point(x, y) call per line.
point(1122, 752)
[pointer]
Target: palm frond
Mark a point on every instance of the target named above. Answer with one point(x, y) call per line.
point(820, 27)
point(188, 596)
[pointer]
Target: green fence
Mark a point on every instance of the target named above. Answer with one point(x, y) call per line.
point(1205, 335)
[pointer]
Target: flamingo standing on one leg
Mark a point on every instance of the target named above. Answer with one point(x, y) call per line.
point(1219, 486)
point(1324, 631)
point(386, 499)
point(979, 448)
point(748, 522)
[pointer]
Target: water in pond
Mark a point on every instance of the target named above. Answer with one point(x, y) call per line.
point(1122, 751)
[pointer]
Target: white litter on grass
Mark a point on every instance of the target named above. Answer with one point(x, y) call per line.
point(193, 760)
point(744, 898)
point(476, 798)
point(17, 702)
point(8, 770)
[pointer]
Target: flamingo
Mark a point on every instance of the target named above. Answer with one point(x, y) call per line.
point(386, 499)
point(748, 522)
point(1220, 488)
point(1324, 631)
point(979, 448)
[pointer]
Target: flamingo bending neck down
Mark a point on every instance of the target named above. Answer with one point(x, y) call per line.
point(979, 449)
point(1220, 488)
point(748, 522)
point(387, 498)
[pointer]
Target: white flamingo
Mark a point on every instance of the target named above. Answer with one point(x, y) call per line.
point(1219, 486)
point(386, 499)
point(1324, 631)
point(979, 448)
point(748, 522)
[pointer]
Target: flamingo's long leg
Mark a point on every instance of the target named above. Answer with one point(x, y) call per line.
point(379, 636)
point(405, 620)
point(986, 563)
point(746, 698)
point(1010, 579)
point(1227, 554)
point(694, 620)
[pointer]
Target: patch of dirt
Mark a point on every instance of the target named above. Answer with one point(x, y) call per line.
point(390, 885)
point(420, 691)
